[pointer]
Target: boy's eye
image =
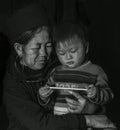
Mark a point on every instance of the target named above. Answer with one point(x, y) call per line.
point(73, 50)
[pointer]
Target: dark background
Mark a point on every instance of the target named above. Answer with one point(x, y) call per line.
point(102, 19)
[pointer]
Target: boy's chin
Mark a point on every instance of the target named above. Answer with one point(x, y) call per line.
point(71, 66)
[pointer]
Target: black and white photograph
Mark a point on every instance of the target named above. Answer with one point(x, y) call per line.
point(59, 65)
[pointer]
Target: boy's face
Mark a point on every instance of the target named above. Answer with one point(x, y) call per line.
point(71, 53)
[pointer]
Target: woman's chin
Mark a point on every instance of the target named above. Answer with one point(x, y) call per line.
point(38, 67)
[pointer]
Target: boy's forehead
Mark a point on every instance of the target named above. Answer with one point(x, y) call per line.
point(70, 42)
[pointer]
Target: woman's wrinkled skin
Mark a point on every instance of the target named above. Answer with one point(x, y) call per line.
point(36, 53)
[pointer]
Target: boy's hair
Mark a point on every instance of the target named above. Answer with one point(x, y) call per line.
point(65, 31)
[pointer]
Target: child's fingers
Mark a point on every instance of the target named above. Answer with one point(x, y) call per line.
point(45, 91)
point(92, 90)
point(50, 92)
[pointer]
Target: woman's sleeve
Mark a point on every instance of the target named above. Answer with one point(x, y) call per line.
point(25, 114)
point(104, 93)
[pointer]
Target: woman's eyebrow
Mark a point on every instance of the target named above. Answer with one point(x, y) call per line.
point(39, 44)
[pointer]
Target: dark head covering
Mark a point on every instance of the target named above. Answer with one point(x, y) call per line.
point(25, 19)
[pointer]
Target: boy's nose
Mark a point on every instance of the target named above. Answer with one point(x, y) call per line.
point(68, 56)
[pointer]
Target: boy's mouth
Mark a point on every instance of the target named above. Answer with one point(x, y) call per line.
point(70, 62)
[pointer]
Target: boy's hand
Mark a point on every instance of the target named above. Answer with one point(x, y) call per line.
point(45, 92)
point(92, 90)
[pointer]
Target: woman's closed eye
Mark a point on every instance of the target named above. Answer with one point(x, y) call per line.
point(49, 44)
point(36, 48)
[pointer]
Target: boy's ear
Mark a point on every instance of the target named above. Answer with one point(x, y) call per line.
point(19, 49)
point(87, 47)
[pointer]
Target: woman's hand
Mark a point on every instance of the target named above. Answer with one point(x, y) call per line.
point(75, 106)
point(99, 121)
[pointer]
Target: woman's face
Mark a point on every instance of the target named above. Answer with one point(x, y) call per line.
point(36, 53)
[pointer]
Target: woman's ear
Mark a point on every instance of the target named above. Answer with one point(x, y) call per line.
point(87, 47)
point(19, 49)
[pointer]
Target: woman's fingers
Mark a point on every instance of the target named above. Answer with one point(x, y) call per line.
point(76, 94)
point(73, 111)
point(71, 101)
point(74, 106)
point(81, 99)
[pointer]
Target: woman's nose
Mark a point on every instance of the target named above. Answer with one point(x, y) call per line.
point(42, 51)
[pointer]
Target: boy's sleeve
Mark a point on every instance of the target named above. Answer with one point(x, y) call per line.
point(104, 93)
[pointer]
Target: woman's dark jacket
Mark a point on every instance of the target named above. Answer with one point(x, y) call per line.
point(23, 108)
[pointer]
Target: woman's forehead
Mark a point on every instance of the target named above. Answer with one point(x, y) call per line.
point(42, 35)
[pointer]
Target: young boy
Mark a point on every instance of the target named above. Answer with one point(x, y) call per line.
point(76, 72)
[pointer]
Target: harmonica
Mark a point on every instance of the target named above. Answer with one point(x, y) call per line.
point(78, 89)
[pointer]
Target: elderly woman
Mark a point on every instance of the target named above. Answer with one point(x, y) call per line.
point(29, 33)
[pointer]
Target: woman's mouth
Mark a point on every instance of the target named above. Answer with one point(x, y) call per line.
point(41, 59)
